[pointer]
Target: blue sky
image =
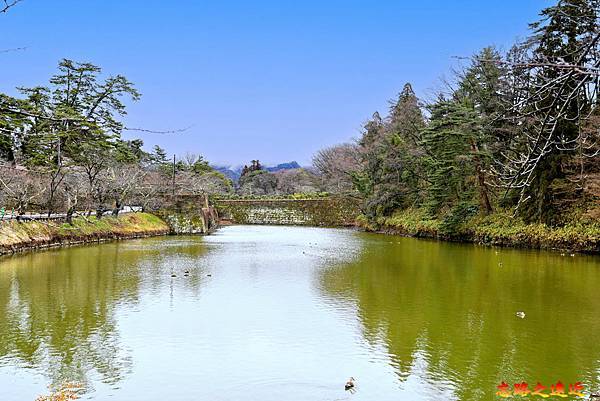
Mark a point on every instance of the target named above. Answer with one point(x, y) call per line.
point(274, 80)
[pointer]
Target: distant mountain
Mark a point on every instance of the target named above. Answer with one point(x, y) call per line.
point(283, 166)
point(234, 172)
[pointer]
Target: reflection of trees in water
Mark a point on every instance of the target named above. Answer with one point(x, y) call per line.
point(447, 313)
point(57, 308)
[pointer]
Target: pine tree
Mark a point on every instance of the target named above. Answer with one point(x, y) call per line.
point(482, 88)
point(451, 159)
point(159, 155)
point(369, 150)
point(393, 174)
point(402, 170)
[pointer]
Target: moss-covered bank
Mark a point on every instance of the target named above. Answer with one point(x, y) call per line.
point(20, 236)
point(501, 229)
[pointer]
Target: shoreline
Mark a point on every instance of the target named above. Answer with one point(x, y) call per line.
point(501, 230)
point(21, 237)
point(472, 241)
point(496, 230)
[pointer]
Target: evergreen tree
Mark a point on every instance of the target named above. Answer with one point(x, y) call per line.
point(451, 159)
point(557, 101)
point(371, 151)
point(482, 88)
point(159, 155)
point(392, 175)
point(201, 166)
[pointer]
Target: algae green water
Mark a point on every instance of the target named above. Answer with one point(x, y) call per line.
point(289, 313)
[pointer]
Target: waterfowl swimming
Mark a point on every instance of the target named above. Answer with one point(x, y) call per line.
point(209, 275)
point(521, 314)
point(349, 384)
point(173, 275)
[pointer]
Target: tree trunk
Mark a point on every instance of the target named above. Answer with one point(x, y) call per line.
point(71, 205)
point(50, 202)
point(483, 192)
point(70, 212)
point(118, 206)
point(21, 209)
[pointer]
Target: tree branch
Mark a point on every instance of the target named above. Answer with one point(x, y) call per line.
point(6, 5)
point(14, 49)
point(148, 131)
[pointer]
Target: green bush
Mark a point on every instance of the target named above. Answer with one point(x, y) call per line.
point(458, 216)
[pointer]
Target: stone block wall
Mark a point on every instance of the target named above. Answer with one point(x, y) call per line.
point(323, 212)
point(189, 215)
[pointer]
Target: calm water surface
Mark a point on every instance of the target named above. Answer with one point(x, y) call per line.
point(284, 313)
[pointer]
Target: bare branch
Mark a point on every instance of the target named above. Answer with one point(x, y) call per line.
point(8, 4)
point(148, 131)
point(14, 49)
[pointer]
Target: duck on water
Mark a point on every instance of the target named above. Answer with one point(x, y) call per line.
point(349, 386)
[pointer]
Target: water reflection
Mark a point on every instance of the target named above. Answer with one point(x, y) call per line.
point(446, 314)
point(57, 308)
point(291, 313)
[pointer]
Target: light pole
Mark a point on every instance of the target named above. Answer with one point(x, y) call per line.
point(173, 176)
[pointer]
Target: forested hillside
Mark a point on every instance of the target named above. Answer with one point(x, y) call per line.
point(515, 135)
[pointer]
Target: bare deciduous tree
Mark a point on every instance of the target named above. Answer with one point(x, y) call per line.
point(336, 165)
point(553, 90)
point(122, 179)
point(191, 183)
point(22, 189)
point(75, 191)
point(151, 186)
point(296, 181)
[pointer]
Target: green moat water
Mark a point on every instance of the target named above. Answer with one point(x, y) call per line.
point(289, 313)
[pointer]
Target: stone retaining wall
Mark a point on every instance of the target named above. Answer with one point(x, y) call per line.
point(325, 212)
point(189, 215)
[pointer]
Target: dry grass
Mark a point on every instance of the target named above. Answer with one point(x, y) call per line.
point(15, 234)
point(581, 233)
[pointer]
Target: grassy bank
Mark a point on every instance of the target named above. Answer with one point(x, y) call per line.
point(582, 234)
point(18, 236)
